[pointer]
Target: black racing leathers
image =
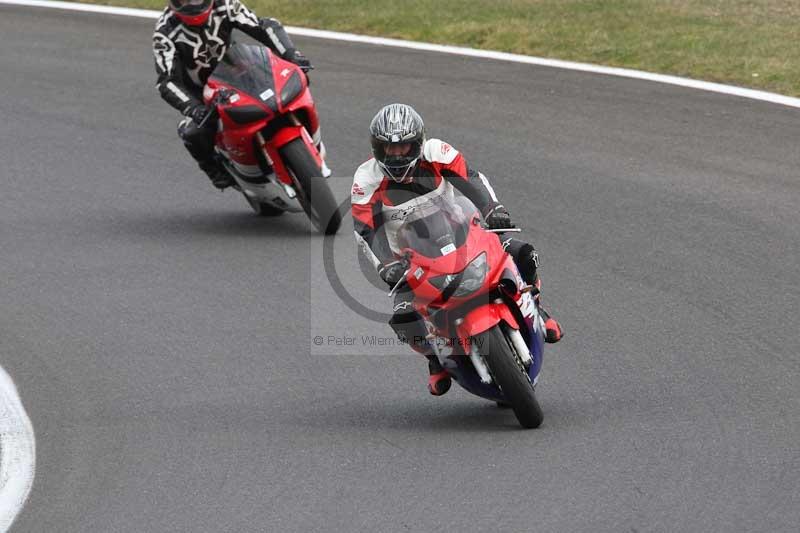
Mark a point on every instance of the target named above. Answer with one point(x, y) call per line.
point(185, 56)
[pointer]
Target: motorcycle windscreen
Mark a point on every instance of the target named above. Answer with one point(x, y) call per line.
point(438, 227)
point(248, 68)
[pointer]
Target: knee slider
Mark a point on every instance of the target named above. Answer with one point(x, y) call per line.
point(409, 328)
point(184, 127)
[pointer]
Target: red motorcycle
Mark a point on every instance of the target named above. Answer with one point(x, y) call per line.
point(482, 319)
point(268, 135)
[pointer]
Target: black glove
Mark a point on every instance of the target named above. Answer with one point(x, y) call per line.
point(298, 58)
point(196, 112)
point(498, 218)
point(393, 272)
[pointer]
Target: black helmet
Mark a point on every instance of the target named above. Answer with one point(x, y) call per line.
point(397, 124)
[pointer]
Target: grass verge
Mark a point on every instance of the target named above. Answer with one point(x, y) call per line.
point(750, 43)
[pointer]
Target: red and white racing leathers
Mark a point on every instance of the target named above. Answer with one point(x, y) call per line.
point(379, 202)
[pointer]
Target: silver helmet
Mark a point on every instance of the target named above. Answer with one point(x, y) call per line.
point(397, 124)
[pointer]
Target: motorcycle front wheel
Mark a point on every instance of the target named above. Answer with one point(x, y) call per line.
point(510, 375)
point(313, 192)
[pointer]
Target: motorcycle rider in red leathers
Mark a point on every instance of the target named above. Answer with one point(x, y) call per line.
point(408, 168)
point(190, 39)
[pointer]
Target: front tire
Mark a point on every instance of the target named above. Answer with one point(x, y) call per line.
point(313, 192)
point(509, 374)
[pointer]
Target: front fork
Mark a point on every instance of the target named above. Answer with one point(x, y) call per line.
point(489, 316)
point(272, 173)
point(474, 355)
point(294, 130)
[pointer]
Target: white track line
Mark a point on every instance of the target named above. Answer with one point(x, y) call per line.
point(469, 52)
point(17, 453)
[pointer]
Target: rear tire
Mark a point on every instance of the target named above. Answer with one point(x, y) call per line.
point(313, 192)
point(510, 375)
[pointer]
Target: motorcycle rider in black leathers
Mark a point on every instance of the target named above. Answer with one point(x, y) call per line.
point(190, 39)
point(407, 168)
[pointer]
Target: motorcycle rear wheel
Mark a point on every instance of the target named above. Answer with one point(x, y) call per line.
point(510, 375)
point(314, 194)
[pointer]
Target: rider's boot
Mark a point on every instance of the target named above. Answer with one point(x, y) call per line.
point(411, 331)
point(552, 328)
point(216, 173)
point(528, 263)
point(439, 381)
point(323, 153)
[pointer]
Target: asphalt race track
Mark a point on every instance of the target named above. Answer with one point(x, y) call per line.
point(161, 335)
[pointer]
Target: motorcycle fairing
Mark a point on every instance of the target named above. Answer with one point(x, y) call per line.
point(249, 69)
point(479, 311)
point(255, 121)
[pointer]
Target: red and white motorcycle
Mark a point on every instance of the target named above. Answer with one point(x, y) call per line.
point(266, 135)
point(483, 321)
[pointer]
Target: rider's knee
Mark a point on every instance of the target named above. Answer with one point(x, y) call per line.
point(189, 132)
point(185, 127)
point(528, 262)
point(410, 329)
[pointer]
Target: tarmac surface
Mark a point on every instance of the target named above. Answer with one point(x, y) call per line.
point(162, 336)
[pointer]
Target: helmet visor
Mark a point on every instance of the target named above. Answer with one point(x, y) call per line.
point(399, 159)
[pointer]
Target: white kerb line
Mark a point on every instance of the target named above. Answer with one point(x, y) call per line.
point(17, 453)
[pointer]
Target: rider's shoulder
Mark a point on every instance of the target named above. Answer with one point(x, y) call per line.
point(235, 9)
point(232, 7)
point(438, 151)
point(166, 22)
point(369, 171)
point(366, 180)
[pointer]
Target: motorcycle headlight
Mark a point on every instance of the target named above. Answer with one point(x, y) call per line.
point(292, 89)
point(472, 278)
